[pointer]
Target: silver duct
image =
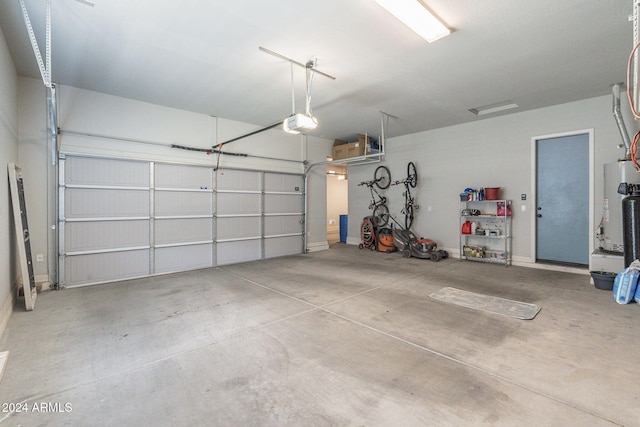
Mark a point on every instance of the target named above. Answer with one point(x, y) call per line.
point(617, 114)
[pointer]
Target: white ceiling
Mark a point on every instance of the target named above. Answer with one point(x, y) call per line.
point(203, 56)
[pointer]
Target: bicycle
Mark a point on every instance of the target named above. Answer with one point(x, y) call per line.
point(382, 180)
point(409, 202)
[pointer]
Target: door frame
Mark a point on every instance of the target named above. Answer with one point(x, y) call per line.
point(534, 189)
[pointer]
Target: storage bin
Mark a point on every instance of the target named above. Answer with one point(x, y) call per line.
point(492, 193)
point(603, 279)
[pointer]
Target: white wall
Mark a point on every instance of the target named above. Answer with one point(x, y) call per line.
point(494, 152)
point(87, 112)
point(32, 130)
point(317, 151)
point(83, 114)
point(8, 153)
point(337, 204)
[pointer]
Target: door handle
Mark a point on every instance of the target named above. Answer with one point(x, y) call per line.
point(539, 215)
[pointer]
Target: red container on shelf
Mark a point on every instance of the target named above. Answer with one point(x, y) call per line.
point(492, 193)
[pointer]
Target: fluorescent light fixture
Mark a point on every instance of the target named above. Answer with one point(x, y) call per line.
point(417, 16)
point(494, 108)
point(298, 123)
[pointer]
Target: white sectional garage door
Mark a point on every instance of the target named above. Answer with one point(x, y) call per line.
point(121, 219)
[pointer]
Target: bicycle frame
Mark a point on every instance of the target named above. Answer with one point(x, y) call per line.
point(382, 180)
point(378, 204)
point(409, 201)
point(381, 199)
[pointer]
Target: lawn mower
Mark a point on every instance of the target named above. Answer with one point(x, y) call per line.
point(411, 246)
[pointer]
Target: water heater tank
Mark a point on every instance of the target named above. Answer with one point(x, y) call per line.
point(631, 226)
point(614, 174)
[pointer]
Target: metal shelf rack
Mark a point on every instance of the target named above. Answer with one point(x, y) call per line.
point(493, 244)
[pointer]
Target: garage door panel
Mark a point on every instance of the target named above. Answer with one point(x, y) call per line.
point(283, 183)
point(107, 172)
point(184, 230)
point(96, 236)
point(276, 225)
point(281, 246)
point(105, 203)
point(238, 228)
point(238, 180)
point(241, 251)
point(182, 258)
point(105, 267)
point(239, 204)
point(283, 203)
point(183, 176)
point(177, 203)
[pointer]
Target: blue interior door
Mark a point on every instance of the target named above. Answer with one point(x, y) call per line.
point(562, 205)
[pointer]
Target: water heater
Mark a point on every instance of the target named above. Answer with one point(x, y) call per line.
point(631, 222)
point(611, 238)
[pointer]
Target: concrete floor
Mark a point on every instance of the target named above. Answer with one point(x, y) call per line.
point(344, 337)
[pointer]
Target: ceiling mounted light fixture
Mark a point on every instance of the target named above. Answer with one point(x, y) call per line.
point(416, 15)
point(494, 108)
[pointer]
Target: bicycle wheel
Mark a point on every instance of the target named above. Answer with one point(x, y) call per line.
point(382, 177)
point(380, 215)
point(412, 175)
point(408, 217)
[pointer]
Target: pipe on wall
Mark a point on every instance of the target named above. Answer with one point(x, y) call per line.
point(617, 114)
